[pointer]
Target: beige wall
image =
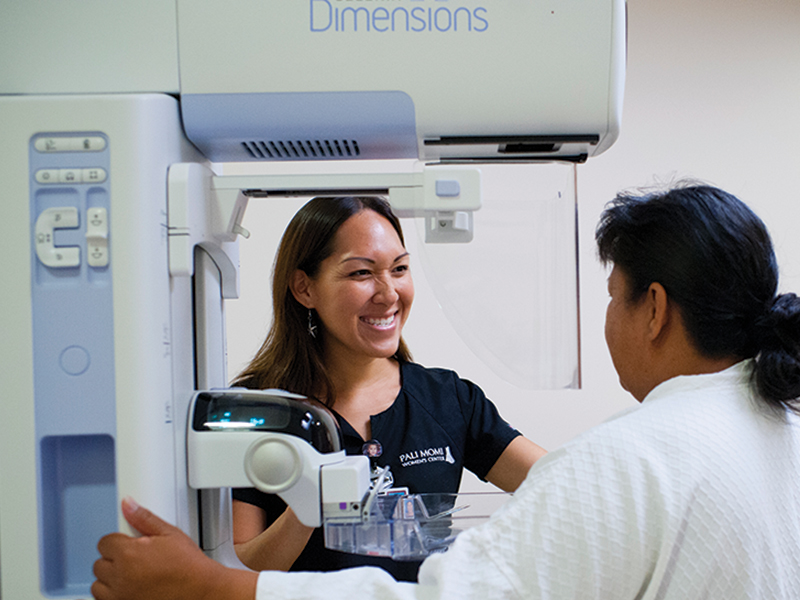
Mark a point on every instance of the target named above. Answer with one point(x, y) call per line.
point(713, 92)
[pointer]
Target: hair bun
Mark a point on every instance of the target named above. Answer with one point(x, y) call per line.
point(779, 328)
point(778, 358)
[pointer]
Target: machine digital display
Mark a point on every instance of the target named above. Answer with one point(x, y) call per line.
point(279, 412)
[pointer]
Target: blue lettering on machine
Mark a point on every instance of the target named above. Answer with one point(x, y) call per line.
point(329, 15)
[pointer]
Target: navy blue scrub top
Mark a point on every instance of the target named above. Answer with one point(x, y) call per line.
point(438, 425)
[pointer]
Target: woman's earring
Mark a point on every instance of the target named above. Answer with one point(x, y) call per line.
point(312, 329)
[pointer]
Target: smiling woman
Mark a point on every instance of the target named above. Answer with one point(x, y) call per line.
point(342, 292)
point(362, 293)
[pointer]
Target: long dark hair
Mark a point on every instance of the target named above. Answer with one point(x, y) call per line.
point(290, 358)
point(715, 259)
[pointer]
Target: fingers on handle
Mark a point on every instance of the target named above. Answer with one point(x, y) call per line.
point(108, 544)
point(142, 520)
point(101, 589)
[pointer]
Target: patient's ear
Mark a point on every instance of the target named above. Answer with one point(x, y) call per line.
point(302, 288)
point(659, 309)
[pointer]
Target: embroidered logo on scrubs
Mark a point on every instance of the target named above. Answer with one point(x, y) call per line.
point(428, 455)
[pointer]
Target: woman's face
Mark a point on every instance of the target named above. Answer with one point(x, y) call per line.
point(363, 290)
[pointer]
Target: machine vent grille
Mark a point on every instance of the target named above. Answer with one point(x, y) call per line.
point(299, 149)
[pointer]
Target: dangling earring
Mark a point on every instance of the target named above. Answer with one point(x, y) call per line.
point(312, 329)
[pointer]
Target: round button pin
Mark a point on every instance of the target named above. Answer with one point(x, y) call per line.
point(74, 360)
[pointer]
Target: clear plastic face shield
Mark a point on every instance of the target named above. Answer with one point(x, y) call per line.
point(511, 293)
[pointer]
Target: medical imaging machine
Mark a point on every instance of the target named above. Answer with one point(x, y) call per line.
point(134, 135)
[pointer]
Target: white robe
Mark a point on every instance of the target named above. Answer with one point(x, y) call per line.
point(694, 494)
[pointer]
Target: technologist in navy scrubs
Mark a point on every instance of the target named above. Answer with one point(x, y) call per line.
point(342, 291)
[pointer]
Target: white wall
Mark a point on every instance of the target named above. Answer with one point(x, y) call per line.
point(713, 92)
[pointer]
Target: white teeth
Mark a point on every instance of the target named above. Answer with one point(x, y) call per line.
point(381, 322)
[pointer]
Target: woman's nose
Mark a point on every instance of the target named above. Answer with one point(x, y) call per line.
point(386, 291)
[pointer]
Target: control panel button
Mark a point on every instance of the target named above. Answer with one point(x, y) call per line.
point(47, 176)
point(63, 217)
point(95, 175)
point(69, 175)
point(447, 188)
point(70, 144)
point(74, 360)
point(97, 237)
point(54, 144)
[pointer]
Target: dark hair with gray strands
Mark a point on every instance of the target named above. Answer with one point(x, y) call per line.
point(714, 257)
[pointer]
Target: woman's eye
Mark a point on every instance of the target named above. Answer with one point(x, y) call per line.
point(360, 273)
point(401, 268)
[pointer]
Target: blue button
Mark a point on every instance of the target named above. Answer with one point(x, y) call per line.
point(447, 188)
point(74, 360)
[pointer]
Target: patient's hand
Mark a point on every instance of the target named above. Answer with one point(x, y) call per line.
point(164, 563)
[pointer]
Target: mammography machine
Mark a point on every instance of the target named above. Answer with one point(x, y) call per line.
point(119, 123)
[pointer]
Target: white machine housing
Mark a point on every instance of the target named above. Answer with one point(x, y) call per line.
point(278, 443)
point(449, 80)
point(111, 322)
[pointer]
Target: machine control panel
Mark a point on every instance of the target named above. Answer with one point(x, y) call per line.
point(74, 167)
point(73, 348)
